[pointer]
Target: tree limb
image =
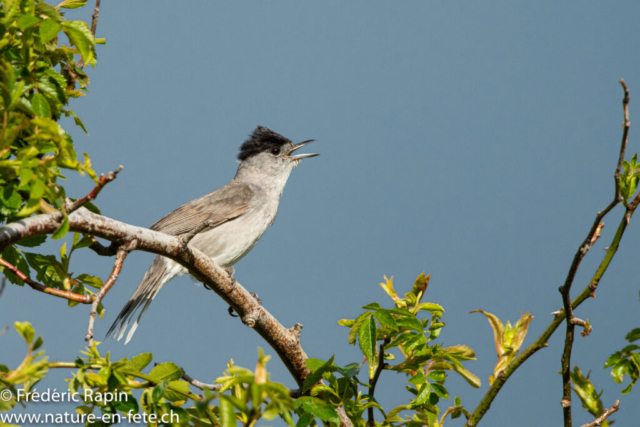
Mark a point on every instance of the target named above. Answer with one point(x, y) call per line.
point(598, 421)
point(108, 284)
point(84, 299)
point(284, 341)
point(102, 181)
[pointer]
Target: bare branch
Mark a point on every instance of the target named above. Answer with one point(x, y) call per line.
point(104, 180)
point(83, 299)
point(97, 297)
point(94, 18)
point(598, 421)
point(200, 384)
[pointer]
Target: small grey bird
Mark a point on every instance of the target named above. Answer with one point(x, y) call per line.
point(238, 213)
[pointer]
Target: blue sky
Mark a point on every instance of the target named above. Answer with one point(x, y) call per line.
point(474, 141)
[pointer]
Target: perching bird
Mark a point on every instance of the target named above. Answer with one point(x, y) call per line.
point(238, 214)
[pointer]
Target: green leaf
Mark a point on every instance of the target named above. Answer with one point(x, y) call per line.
point(26, 21)
point(432, 308)
point(304, 420)
point(92, 281)
point(355, 329)
point(158, 391)
point(318, 408)
point(139, 362)
point(26, 330)
point(372, 306)
point(423, 395)
point(367, 340)
point(33, 242)
point(179, 392)
point(80, 35)
point(227, 414)
point(316, 376)
point(71, 4)
point(440, 390)
point(437, 375)
point(634, 335)
point(167, 371)
point(49, 29)
point(386, 319)
point(63, 230)
point(40, 105)
point(410, 323)
point(346, 322)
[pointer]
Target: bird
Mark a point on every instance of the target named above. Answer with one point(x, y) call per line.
point(237, 215)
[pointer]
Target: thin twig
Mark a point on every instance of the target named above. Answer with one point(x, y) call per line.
point(4, 330)
point(373, 381)
point(587, 329)
point(102, 181)
point(598, 421)
point(94, 18)
point(83, 299)
point(200, 384)
point(593, 235)
point(3, 283)
point(98, 296)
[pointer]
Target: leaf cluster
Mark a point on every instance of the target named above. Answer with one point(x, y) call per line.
point(51, 271)
point(38, 77)
point(409, 339)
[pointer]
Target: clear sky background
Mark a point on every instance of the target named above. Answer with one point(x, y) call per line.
point(474, 141)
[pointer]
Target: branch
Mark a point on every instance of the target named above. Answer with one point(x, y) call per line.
point(83, 299)
point(104, 180)
point(97, 297)
point(560, 316)
point(94, 26)
point(94, 18)
point(598, 421)
point(284, 341)
point(565, 290)
point(374, 380)
point(200, 384)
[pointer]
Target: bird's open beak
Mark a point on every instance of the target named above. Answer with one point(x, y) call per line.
point(299, 146)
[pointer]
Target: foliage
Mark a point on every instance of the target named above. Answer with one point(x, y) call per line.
point(626, 361)
point(508, 339)
point(38, 77)
point(590, 399)
point(629, 178)
point(406, 337)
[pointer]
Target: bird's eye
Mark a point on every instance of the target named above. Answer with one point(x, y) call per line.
point(275, 151)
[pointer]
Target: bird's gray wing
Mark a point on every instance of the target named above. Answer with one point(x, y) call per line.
point(225, 204)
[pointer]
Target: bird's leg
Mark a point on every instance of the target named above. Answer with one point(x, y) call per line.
point(254, 295)
point(257, 298)
point(231, 271)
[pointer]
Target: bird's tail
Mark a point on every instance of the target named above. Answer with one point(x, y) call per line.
point(153, 281)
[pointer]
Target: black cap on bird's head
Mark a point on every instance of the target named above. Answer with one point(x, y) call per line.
point(265, 140)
